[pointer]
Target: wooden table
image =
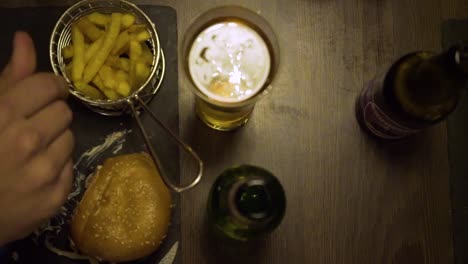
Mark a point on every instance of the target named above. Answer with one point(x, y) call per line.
point(350, 198)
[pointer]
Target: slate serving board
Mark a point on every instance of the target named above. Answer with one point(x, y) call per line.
point(90, 129)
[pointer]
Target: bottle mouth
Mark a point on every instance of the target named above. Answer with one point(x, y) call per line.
point(253, 200)
point(256, 200)
point(461, 57)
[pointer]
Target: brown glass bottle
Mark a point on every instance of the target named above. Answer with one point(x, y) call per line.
point(418, 90)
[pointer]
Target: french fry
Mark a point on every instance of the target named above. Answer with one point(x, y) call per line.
point(109, 40)
point(128, 20)
point(123, 88)
point(113, 61)
point(78, 51)
point(131, 76)
point(118, 63)
point(89, 29)
point(121, 44)
point(68, 69)
point(110, 94)
point(98, 19)
point(135, 50)
point(67, 52)
point(147, 55)
point(102, 20)
point(98, 83)
point(141, 35)
point(89, 90)
point(107, 76)
point(142, 73)
point(93, 49)
point(121, 76)
point(136, 28)
point(124, 64)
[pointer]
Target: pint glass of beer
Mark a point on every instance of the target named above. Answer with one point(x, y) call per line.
point(230, 56)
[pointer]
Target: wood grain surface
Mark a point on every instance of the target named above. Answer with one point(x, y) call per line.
point(351, 199)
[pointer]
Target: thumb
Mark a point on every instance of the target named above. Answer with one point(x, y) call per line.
point(22, 62)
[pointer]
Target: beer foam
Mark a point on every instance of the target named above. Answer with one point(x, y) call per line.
point(229, 62)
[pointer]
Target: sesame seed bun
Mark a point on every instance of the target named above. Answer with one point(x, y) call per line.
point(124, 214)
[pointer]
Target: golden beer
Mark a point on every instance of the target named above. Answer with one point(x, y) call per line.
point(230, 62)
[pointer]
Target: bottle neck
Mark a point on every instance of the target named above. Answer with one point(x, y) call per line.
point(452, 63)
point(437, 79)
point(427, 87)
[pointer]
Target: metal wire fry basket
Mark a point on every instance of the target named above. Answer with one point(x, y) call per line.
point(61, 37)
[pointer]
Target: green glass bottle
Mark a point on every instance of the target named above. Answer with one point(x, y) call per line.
point(419, 90)
point(246, 202)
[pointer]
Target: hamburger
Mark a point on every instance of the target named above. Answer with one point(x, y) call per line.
point(125, 212)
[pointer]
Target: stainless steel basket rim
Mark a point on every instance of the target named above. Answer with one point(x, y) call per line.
point(107, 102)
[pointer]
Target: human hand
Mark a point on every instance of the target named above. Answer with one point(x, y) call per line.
point(36, 143)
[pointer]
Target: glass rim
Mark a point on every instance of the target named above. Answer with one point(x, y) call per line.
point(231, 12)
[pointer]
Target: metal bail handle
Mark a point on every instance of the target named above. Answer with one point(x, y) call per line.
point(155, 157)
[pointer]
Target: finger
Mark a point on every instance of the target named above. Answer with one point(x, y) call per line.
point(44, 205)
point(45, 168)
point(33, 93)
point(60, 190)
point(20, 142)
point(52, 121)
point(22, 62)
point(7, 115)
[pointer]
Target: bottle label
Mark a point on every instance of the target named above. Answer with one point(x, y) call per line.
point(375, 119)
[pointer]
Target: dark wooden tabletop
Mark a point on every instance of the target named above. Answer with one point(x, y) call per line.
point(350, 199)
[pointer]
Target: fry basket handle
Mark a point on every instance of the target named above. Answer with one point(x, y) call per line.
point(153, 154)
